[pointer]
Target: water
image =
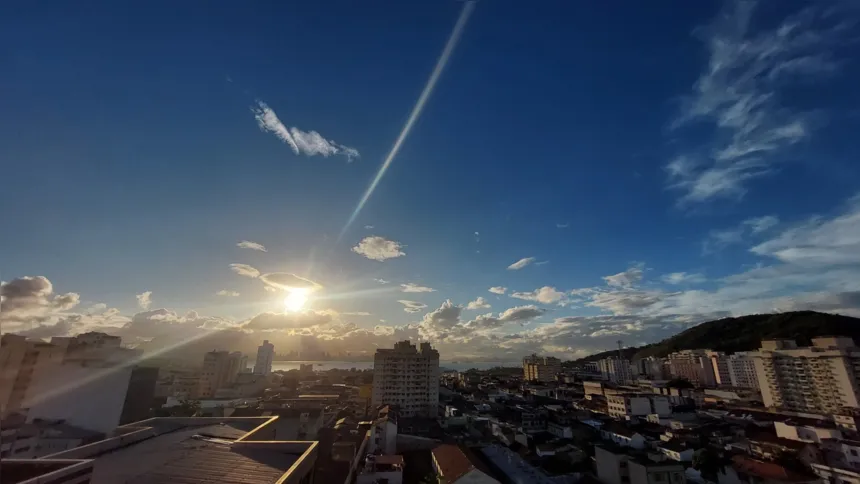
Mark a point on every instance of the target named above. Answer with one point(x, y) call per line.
point(368, 365)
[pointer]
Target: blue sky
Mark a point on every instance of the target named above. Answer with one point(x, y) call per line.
point(704, 150)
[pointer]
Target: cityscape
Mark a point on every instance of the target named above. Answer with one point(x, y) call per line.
point(430, 242)
point(88, 409)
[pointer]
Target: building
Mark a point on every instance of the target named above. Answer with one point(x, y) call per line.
point(19, 360)
point(615, 370)
point(651, 368)
point(265, 354)
point(638, 405)
point(220, 369)
point(695, 366)
point(408, 378)
point(621, 466)
point(140, 396)
point(720, 364)
point(455, 464)
point(817, 379)
point(191, 449)
point(541, 368)
point(742, 370)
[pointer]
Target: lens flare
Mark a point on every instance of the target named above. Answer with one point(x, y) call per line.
point(296, 300)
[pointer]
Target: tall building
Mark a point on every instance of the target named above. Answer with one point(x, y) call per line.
point(19, 360)
point(742, 370)
point(821, 378)
point(541, 368)
point(407, 377)
point(140, 396)
point(615, 369)
point(265, 354)
point(720, 364)
point(651, 368)
point(220, 369)
point(693, 365)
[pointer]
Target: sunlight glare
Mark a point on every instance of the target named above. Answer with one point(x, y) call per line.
point(296, 299)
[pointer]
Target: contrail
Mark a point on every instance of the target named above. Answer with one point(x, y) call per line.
point(416, 111)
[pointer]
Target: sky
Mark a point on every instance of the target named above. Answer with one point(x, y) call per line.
point(495, 177)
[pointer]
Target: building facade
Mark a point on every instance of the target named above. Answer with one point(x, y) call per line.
point(615, 370)
point(821, 378)
point(220, 369)
point(742, 370)
point(693, 365)
point(265, 355)
point(541, 368)
point(408, 377)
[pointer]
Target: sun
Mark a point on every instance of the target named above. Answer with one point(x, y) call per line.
point(296, 299)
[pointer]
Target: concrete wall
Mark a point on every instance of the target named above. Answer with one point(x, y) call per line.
point(608, 466)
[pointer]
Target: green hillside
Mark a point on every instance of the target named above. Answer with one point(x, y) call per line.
point(746, 332)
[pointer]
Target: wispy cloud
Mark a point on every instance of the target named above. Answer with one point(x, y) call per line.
point(521, 263)
point(381, 281)
point(144, 299)
point(761, 224)
point(379, 248)
point(683, 278)
point(226, 293)
point(308, 143)
point(412, 287)
point(498, 289)
point(245, 270)
point(412, 306)
point(721, 238)
point(479, 303)
point(357, 313)
point(625, 279)
point(739, 94)
point(247, 244)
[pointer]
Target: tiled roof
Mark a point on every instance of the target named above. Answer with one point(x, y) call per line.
point(767, 470)
point(454, 461)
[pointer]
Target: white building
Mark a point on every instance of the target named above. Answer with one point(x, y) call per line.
point(693, 365)
point(742, 370)
point(407, 377)
point(220, 369)
point(817, 379)
point(638, 405)
point(615, 370)
point(265, 355)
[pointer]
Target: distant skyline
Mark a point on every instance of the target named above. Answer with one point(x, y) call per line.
point(497, 178)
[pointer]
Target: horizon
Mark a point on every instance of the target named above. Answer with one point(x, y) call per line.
point(496, 179)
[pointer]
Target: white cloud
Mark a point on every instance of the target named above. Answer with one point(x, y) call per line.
point(521, 263)
point(144, 299)
point(368, 227)
point(625, 279)
point(226, 293)
point(683, 278)
point(479, 303)
point(412, 287)
point(357, 313)
point(381, 281)
point(286, 321)
point(286, 281)
point(761, 224)
point(497, 289)
point(247, 244)
point(739, 95)
point(378, 248)
point(308, 143)
point(412, 306)
point(545, 295)
point(245, 270)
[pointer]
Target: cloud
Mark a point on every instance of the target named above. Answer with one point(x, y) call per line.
point(521, 263)
point(545, 295)
point(357, 313)
point(410, 287)
point(245, 270)
point(412, 306)
point(379, 248)
point(28, 300)
point(368, 227)
point(720, 239)
point(224, 292)
point(498, 289)
point(683, 278)
point(562, 226)
point(308, 143)
point(740, 96)
point(625, 301)
point(144, 299)
point(479, 303)
point(284, 321)
point(625, 279)
point(246, 244)
point(287, 281)
point(444, 323)
point(382, 281)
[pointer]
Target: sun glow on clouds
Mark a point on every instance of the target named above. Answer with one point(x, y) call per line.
point(296, 299)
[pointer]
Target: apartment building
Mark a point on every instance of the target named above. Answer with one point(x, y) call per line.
point(720, 364)
point(265, 355)
point(622, 466)
point(408, 377)
point(651, 368)
point(695, 366)
point(541, 368)
point(19, 360)
point(220, 369)
point(742, 370)
point(821, 378)
point(616, 370)
point(639, 405)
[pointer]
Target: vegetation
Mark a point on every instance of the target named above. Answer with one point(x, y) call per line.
point(745, 333)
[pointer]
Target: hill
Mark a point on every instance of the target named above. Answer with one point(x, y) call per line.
point(745, 333)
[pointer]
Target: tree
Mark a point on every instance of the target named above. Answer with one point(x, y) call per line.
point(708, 463)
